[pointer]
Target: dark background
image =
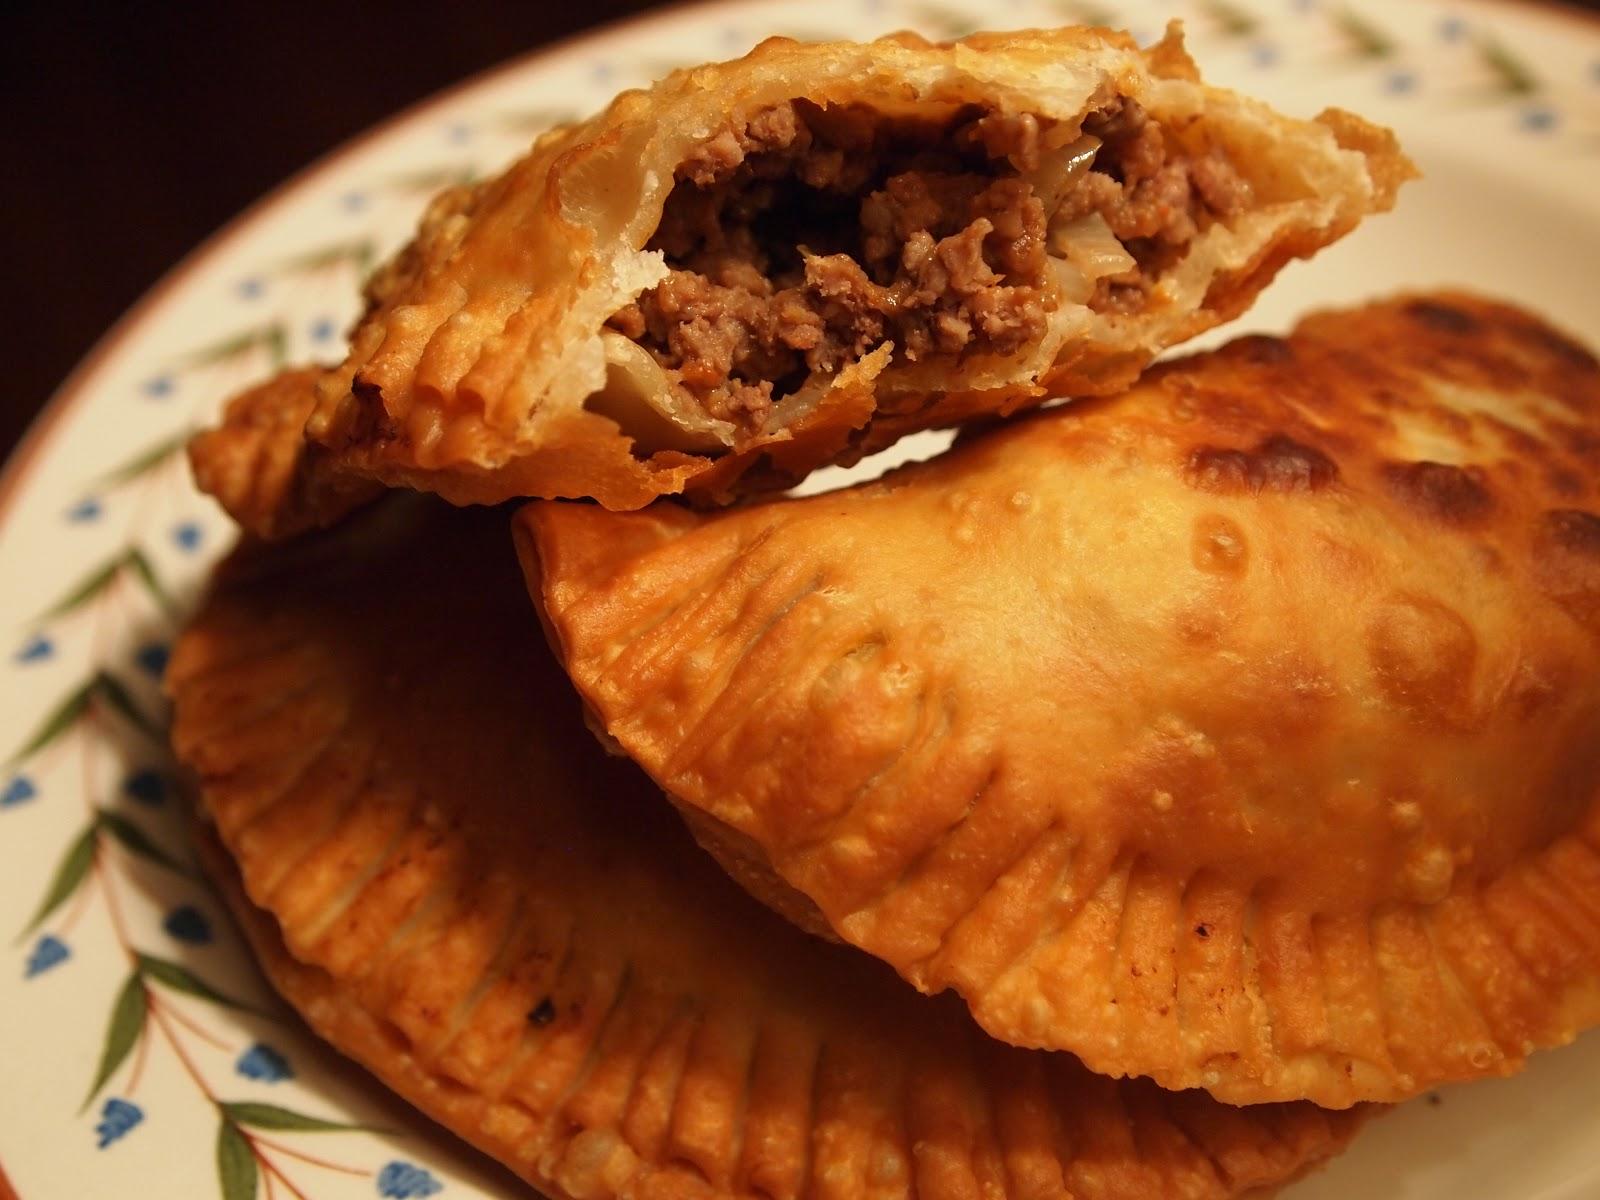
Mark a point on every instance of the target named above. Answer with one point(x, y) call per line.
point(136, 129)
point(133, 130)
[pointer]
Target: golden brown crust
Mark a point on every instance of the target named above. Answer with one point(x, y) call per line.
point(257, 465)
point(1242, 731)
point(469, 374)
point(460, 891)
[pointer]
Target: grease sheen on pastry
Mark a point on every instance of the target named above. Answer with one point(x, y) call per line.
point(758, 267)
point(455, 886)
point(1242, 731)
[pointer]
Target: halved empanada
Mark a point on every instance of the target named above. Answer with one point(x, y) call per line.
point(1242, 731)
point(758, 267)
point(459, 890)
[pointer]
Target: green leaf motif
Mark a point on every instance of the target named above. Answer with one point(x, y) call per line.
point(103, 686)
point(1084, 12)
point(85, 590)
point(122, 1034)
point(70, 874)
point(236, 1164)
point(109, 688)
point(535, 120)
point(428, 182)
point(271, 338)
point(660, 68)
point(147, 576)
point(102, 577)
point(146, 460)
point(1230, 18)
point(138, 842)
point(943, 22)
point(282, 1120)
point(1365, 38)
point(358, 253)
point(62, 718)
point(1513, 76)
point(180, 979)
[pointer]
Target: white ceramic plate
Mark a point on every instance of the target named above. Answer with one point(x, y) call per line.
point(132, 1027)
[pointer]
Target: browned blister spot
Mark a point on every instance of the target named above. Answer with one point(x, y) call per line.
point(1455, 495)
point(1566, 560)
point(1218, 546)
point(1276, 464)
point(1423, 654)
point(1536, 688)
point(1580, 443)
point(1445, 318)
point(1564, 482)
point(1264, 348)
point(1556, 344)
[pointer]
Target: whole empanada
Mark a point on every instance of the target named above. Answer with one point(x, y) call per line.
point(759, 267)
point(1242, 731)
point(459, 890)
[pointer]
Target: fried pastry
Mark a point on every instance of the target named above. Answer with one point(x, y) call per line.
point(440, 870)
point(758, 267)
point(259, 467)
point(1242, 731)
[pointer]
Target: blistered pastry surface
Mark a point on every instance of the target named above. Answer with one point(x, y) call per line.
point(1242, 731)
point(458, 889)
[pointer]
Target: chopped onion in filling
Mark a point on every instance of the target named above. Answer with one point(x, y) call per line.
point(1060, 170)
point(1088, 243)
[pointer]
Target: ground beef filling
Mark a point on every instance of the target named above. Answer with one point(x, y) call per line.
point(806, 237)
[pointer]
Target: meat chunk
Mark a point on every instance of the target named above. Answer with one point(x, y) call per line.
point(800, 238)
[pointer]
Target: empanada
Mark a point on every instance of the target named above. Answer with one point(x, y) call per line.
point(259, 467)
point(758, 267)
point(459, 890)
point(1242, 731)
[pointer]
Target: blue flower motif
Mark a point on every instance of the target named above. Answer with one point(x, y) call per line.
point(187, 535)
point(47, 952)
point(152, 659)
point(353, 201)
point(19, 791)
point(116, 1118)
point(87, 509)
point(1264, 54)
point(459, 133)
point(158, 387)
point(601, 72)
point(147, 787)
point(264, 1063)
point(1452, 29)
point(323, 328)
point(1538, 120)
point(36, 649)
point(250, 288)
point(402, 1181)
point(1399, 83)
point(188, 924)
